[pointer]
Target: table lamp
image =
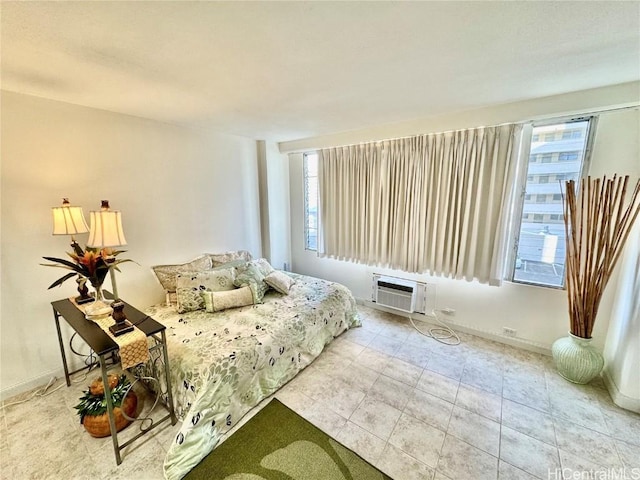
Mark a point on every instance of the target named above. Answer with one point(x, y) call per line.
point(68, 220)
point(106, 231)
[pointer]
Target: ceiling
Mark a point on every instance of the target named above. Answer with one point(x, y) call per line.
point(288, 70)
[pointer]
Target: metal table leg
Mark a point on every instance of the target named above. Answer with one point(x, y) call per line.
point(56, 315)
point(109, 400)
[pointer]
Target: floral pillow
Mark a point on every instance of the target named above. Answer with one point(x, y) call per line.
point(216, 301)
point(189, 287)
point(263, 265)
point(167, 273)
point(251, 276)
point(279, 281)
point(218, 259)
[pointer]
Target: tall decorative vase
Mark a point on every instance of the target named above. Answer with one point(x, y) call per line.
point(98, 309)
point(576, 359)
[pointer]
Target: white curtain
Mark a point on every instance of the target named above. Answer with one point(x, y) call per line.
point(437, 203)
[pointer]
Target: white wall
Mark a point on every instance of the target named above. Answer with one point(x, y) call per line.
point(277, 185)
point(181, 192)
point(622, 350)
point(538, 314)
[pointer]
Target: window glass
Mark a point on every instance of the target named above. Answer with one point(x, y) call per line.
point(540, 242)
point(311, 201)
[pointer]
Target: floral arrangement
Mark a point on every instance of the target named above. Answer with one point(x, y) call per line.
point(94, 402)
point(91, 263)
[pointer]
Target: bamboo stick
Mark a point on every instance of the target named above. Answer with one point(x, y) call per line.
point(597, 225)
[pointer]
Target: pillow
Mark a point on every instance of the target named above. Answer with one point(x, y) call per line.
point(218, 259)
point(279, 281)
point(251, 276)
point(216, 301)
point(264, 266)
point(191, 285)
point(166, 274)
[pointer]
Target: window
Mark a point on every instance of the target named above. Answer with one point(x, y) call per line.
point(568, 156)
point(311, 201)
point(540, 243)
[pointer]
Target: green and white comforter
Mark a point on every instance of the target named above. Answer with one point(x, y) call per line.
point(223, 364)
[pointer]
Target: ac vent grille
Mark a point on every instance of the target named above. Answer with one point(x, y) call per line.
point(409, 296)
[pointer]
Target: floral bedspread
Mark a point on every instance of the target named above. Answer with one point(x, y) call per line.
point(223, 364)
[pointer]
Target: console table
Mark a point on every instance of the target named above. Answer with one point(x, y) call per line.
point(106, 351)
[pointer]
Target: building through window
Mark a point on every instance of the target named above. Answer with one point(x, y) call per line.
point(311, 201)
point(557, 154)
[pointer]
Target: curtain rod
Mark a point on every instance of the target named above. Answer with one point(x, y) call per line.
point(518, 122)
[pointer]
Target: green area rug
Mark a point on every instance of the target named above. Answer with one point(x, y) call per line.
point(278, 444)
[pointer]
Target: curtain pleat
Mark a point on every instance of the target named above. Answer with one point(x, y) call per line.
point(434, 203)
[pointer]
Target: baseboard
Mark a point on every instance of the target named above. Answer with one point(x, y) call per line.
point(619, 398)
point(512, 341)
point(29, 385)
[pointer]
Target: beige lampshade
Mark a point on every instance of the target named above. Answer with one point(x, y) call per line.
point(106, 228)
point(68, 220)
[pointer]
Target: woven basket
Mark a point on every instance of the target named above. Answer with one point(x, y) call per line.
point(98, 426)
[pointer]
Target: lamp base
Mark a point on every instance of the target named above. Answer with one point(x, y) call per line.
point(120, 328)
point(80, 300)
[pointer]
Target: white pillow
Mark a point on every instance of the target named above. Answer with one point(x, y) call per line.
point(279, 281)
point(216, 301)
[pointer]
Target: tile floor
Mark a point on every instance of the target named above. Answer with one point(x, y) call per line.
point(413, 407)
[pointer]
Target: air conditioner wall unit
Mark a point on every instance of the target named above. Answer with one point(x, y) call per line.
point(399, 294)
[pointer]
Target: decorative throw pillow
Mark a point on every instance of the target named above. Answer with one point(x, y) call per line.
point(216, 301)
point(264, 266)
point(251, 276)
point(279, 281)
point(189, 287)
point(166, 274)
point(218, 259)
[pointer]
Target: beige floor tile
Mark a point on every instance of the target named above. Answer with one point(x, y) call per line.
point(480, 402)
point(423, 442)
point(475, 429)
point(482, 377)
point(445, 365)
point(507, 471)
point(384, 344)
point(391, 391)
point(430, 409)
point(527, 453)
point(373, 359)
point(403, 371)
point(438, 385)
point(529, 421)
point(629, 454)
point(583, 442)
point(400, 466)
point(413, 354)
point(376, 417)
point(358, 376)
point(361, 336)
point(325, 419)
point(341, 397)
point(526, 390)
point(623, 424)
point(576, 467)
point(364, 443)
point(459, 460)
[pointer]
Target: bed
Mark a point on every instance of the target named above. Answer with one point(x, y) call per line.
point(222, 364)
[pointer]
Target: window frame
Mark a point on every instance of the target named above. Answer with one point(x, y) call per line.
point(518, 206)
point(305, 192)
